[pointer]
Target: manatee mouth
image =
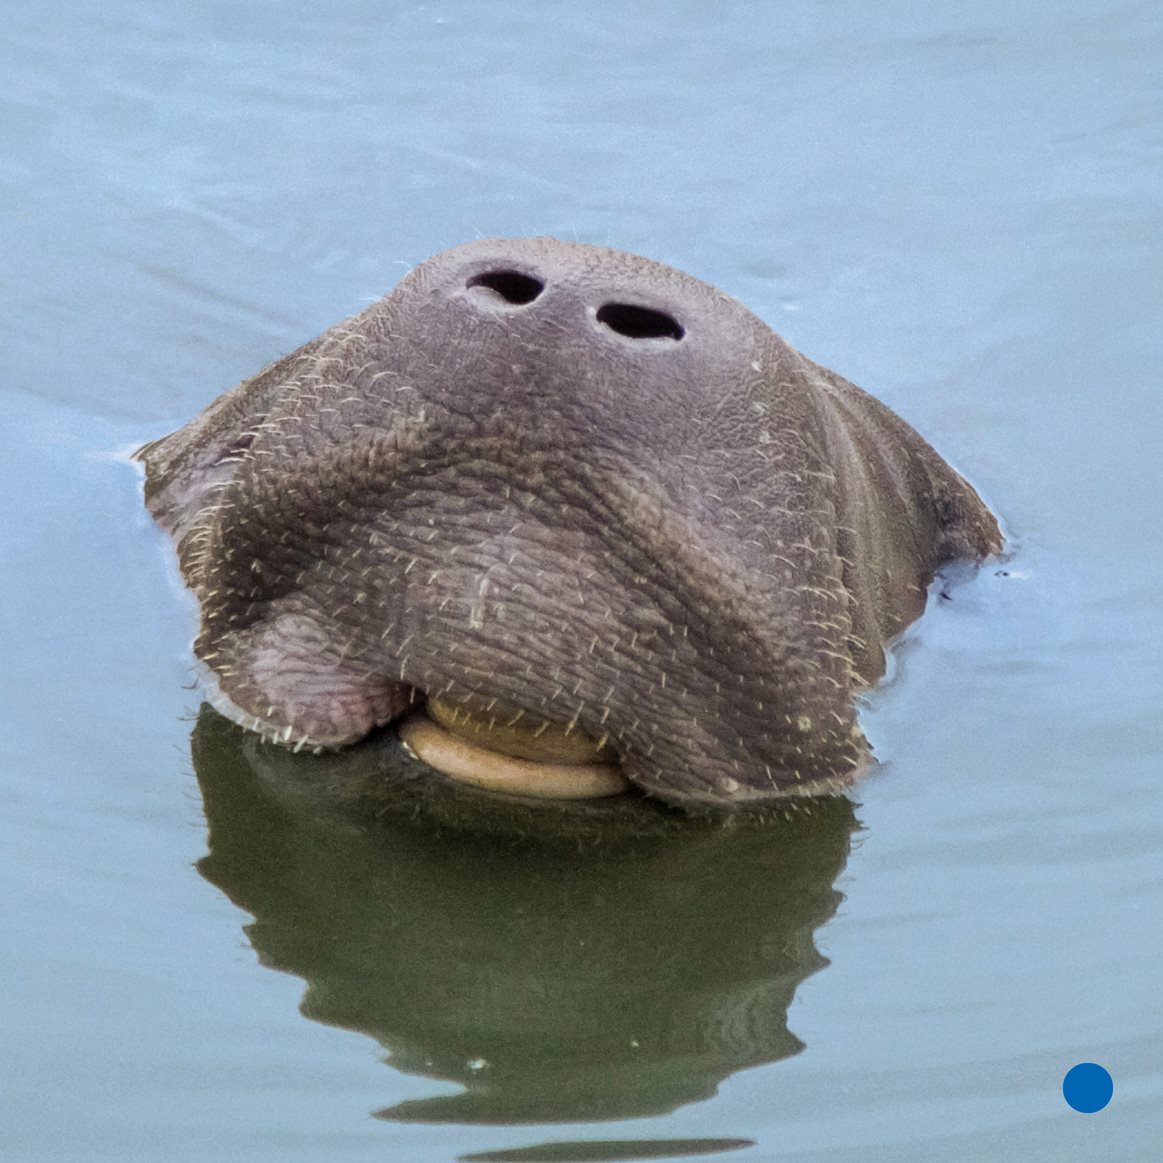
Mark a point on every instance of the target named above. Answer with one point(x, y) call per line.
point(546, 762)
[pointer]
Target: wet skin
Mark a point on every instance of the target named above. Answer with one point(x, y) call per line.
point(611, 529)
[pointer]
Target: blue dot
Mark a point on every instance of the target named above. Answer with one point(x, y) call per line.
point(1087, 1087)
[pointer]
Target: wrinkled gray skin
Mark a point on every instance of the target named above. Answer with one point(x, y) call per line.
point(654, 520)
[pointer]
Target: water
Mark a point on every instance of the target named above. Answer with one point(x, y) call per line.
point(958, 208)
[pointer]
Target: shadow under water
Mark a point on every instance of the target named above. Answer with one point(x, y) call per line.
point(560, 964)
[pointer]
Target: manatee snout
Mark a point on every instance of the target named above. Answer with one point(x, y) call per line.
point(591, 513)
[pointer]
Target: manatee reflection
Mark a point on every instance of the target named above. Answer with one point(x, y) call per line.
point(554, 979)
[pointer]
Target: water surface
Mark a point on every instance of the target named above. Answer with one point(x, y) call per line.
point(960, 209)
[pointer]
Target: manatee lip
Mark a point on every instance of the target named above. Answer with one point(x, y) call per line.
point(459, 754)
point(546, 762)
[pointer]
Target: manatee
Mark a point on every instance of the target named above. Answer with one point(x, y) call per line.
point(578, 523)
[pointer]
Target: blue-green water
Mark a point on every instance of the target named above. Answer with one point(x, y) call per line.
point(959, 208)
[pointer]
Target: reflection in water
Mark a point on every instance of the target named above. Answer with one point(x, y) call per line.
point(555, 978)
point(609, 1151)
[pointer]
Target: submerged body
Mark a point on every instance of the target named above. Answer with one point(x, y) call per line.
point(590, 510)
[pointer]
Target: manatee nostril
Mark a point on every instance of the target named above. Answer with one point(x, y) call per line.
point(639, 322)
point(512, 286)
